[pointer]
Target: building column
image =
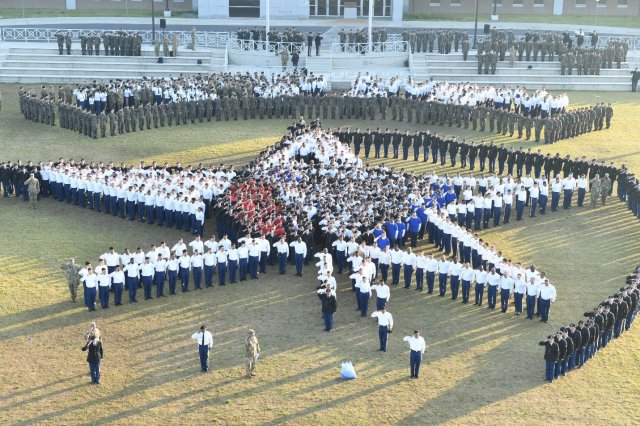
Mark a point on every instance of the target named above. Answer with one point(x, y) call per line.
point(397, 10)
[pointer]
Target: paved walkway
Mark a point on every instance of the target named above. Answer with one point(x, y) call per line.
point(25, 22)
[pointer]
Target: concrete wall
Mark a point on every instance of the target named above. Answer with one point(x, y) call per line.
point(527, 7)
point(178, 6)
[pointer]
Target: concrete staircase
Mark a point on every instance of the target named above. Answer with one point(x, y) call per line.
point(39, 62)
point(453, 68)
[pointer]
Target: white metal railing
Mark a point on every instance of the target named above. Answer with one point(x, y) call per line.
point(363, 48)
point(203, 38)
point(264, 46)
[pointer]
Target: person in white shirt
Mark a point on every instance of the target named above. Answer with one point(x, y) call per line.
point(90, 282)
point(300, 253)
point(384, 261)
point(365, 295)
point(383, 294)
point(222, 260)
point(197, 244)
point(519, 289)
point(534, 194)
point(568, 186)
point(582, 189)
point(340, 246)
point(467, 276)
point(205, 343)
point(132, 276)
point(160, 274)
point(455, 269)
point(397, 257)
point(481, 280)
point(547, 295)
point(417, 347)
point(409, 261)
point(506, 284)
point(111, 259)
point(283, 254)
point(385, 326)
point(493, 282)
point(431, 269)
point(179, 248)
point(185, 270)
point(173, 266)
point(443, 274)
point(104, 285)
point(232, 263)
point(209, 260)
point(533, 290)
point(117, 284)
point(147, 271)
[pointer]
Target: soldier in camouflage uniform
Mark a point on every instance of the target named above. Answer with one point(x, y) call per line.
point(72, 271)
point(252, 352)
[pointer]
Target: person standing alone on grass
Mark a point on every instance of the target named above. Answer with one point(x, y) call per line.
point(252, 352)
point(417, 347)
point(33, 185)
point(205, 342)
point(73, 277)
point(95, 353)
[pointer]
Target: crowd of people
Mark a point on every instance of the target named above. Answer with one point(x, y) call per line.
point(358, 37)
point(119, 107)
point(123, 274)
point(573, 345)
point(114, 43)
point(259, 34)
point(549, 46)
point(171, 196)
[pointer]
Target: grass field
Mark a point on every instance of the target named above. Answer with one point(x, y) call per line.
point(482, 367)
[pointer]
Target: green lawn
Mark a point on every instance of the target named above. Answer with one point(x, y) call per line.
point(482, 367)
point(589, 21)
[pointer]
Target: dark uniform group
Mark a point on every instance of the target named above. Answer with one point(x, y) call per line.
point(574, 345)
point(118, 43)
point(444, 41)
point(289, 35)
point(360, 36)
point(533, 47)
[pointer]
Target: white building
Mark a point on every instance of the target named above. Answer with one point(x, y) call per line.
point(298, 9)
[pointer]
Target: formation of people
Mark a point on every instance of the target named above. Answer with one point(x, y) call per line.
point(114, 43)
point(172, 269)
point(573, 345)
point(171, 196)
point(121, 107)
point(357, 38)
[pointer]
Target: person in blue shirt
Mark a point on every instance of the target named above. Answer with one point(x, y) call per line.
point(420, 212)
point(402, 230)
point(415, 226)
point(392, 230)
point(449, 196)
point(382, 241)
point(377, 231)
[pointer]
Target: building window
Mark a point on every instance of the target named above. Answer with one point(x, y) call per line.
point(518, 3)
point(601, 3)
point(244, 8)
point(538, 3)
point(455, 3)
point(581, 3)
point(622, 3)
point(434, 2)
